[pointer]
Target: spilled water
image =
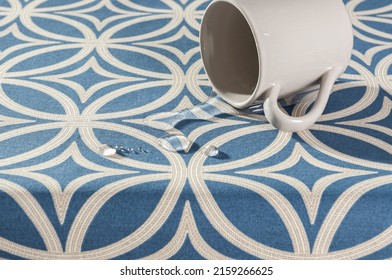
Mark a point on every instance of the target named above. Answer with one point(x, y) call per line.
point(210, 151)
point(171, 123)
point(175, 142)
point(174, 139)
point(109, 150)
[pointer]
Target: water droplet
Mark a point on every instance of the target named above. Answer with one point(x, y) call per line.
point(121, 149)
point(174, 142)
point(210, 151)
point(107, 151)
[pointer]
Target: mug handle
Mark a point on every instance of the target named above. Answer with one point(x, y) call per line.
point(293, 124)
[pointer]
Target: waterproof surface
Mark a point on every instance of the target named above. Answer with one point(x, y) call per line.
point(77, 75)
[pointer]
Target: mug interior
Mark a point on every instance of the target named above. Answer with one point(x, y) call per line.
point(229, 52)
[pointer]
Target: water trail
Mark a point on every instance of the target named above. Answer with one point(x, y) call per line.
point(215, 108)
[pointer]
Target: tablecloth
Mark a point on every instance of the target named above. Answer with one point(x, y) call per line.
point(75, 75)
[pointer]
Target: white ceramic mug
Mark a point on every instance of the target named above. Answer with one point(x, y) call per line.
point(264, 50)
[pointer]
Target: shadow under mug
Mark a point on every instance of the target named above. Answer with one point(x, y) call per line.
point(264, 50)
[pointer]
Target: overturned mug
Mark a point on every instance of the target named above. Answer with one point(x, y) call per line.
point(264, 50)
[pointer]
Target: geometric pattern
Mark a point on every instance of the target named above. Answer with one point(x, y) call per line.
point(75, 75)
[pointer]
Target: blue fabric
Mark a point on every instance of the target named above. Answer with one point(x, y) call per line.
point(75, 75)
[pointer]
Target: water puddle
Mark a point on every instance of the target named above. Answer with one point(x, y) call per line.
point(175, 142)
point(210, 151)
point(106, 150)
point(174, 123)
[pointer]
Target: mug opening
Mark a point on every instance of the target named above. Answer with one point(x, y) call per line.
point(229, 52)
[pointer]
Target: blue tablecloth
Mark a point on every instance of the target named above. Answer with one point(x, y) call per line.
point(75, 75)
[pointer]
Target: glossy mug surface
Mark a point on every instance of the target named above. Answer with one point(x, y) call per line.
point(264, 50)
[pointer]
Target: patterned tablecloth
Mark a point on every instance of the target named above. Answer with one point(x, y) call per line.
point(78, 74)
